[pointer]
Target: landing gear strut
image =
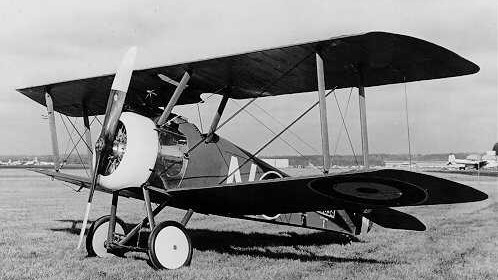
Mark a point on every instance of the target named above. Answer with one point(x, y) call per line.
point(169, 245)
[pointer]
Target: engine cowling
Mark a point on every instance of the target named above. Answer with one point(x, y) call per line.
point(133, 155)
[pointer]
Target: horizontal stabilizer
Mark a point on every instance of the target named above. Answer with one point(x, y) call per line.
point(390, 218)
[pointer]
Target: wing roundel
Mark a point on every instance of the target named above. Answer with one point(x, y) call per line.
point(371, 191)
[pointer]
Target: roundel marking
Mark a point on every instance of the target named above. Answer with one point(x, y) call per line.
point(373, 191)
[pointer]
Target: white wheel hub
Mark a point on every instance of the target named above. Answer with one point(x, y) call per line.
point(171, 247)
point(100, 237)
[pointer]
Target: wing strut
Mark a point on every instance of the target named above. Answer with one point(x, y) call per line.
point(363, 121)
point(53, 129)
point(172, 102)
point(88, 136)
point(217, 117)
point(323, 113)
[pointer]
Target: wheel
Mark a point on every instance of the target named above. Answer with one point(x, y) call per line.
point(170, 246)
point(270, 216)
point(268, 176)
point(97, 236)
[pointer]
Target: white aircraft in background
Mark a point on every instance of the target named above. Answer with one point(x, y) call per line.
point(488, 160)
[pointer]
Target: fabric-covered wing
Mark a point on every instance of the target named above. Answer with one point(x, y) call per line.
point(355, 191)
point(372, 59)
point(85, 182)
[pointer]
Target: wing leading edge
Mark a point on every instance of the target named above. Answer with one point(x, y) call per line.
point(374, 58)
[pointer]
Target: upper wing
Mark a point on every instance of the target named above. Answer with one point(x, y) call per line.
point(382, 58)
point(355, 191)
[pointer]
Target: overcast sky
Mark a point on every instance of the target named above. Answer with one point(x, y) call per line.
point(49, 41)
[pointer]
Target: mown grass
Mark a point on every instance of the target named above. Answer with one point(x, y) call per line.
point(40, 222)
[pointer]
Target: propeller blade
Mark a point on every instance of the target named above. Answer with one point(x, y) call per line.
point(113, 111)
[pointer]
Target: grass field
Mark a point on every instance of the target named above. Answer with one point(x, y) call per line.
point(38, 236)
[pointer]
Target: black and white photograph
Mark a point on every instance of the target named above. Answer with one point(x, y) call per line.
point(248, 139)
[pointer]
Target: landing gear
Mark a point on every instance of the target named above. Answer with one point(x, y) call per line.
point(97, 236)
point(170, 246)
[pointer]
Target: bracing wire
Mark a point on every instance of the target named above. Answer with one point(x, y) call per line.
point(408, 126)
point(276, 136)
point(265, 89)
point(345, 127)
point(339, 136)
point(272, 131)
point(75, 146)
point(290, 131)
point(79, 134)
point(67, 146)
point(77, 150)
point(98, 120)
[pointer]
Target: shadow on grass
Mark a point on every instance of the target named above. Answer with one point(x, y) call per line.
point(258, 244)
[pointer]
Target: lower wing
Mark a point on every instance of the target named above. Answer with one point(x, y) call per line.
point(368, 193)
point(356, 191)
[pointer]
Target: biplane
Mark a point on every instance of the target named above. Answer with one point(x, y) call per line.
point(146, 152)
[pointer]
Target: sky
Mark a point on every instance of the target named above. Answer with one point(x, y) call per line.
point(50, 41)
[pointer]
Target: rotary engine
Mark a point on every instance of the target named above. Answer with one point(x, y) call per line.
point(133, 154)
point(138, 149)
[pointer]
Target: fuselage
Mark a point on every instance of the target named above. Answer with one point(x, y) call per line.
point(177, 155)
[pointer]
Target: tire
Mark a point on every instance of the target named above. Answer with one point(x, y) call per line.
point(97, 235)
point(170, 246)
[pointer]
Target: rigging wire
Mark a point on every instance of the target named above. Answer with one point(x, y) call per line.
point(265, 89)
point(70, 134)
point(345, 127)
point(98, 120)
point(67, 146)
point(339, 136)
point(74, 147)
point(408, 125)
point(274, 133)
point(77, 151)
point(275, 137)
point(81, 135)
point(283, 125)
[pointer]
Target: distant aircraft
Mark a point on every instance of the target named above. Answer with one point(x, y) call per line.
point(463, 164)
point(146, 152)
point(488, 160)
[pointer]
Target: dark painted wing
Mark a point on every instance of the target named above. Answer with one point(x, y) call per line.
point(355, 191)
point(383, 58)
point(85, 182)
